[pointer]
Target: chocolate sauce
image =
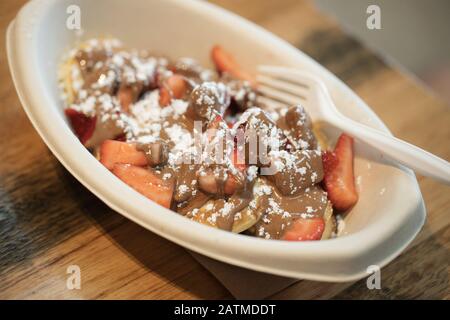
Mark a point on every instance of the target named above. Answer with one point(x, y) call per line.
point(120, 87)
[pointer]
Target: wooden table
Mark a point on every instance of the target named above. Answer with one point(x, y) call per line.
point(48, 221)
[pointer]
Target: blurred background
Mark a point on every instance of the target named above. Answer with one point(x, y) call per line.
point(414, 33)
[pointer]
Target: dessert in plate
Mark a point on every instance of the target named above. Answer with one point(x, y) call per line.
point(200, 142)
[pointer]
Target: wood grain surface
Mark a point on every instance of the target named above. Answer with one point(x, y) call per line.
point(48, 221)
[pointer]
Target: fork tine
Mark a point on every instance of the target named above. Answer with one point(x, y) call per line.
point(270, 104)
point(284, 86)
point(277, 95)
point(297, 77)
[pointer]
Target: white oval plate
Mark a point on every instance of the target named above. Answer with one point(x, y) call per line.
point(390, 211)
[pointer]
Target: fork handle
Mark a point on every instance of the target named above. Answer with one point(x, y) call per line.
point(407, 154)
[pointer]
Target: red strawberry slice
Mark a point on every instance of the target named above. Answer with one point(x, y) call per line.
point(175, 86)
point(232, 183)
point(164, 97)
point(146, 183)
point(113, 151)
point(83, 125)
point(239, 163)
point(338, 174)
point(216, 124)
point(225, 62)
point(305, 229)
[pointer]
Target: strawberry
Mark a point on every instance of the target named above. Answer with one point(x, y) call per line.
point(216, 124)
point(83, 125)
point(113, 151)
point(164, 97)
point(232, 183)
point(209, 184)
point(146, 183)
point(225, 62)
point(238, 163)
point(338, 174)
point(305, 229)
point(175, 86)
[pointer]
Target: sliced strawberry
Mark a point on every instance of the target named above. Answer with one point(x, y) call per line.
point(225, 62)
point(83, 125)
point(338, 174)
point(232, 183)
point(175, 86)
point(305, 229)
point(239, 163)
point(146, 183)
point(164, 97)
point(216, 124)
point(113, 152)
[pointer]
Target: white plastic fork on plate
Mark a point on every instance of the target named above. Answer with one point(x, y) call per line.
point(291, 86)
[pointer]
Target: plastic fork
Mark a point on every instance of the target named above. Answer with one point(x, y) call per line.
point(280, 86)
